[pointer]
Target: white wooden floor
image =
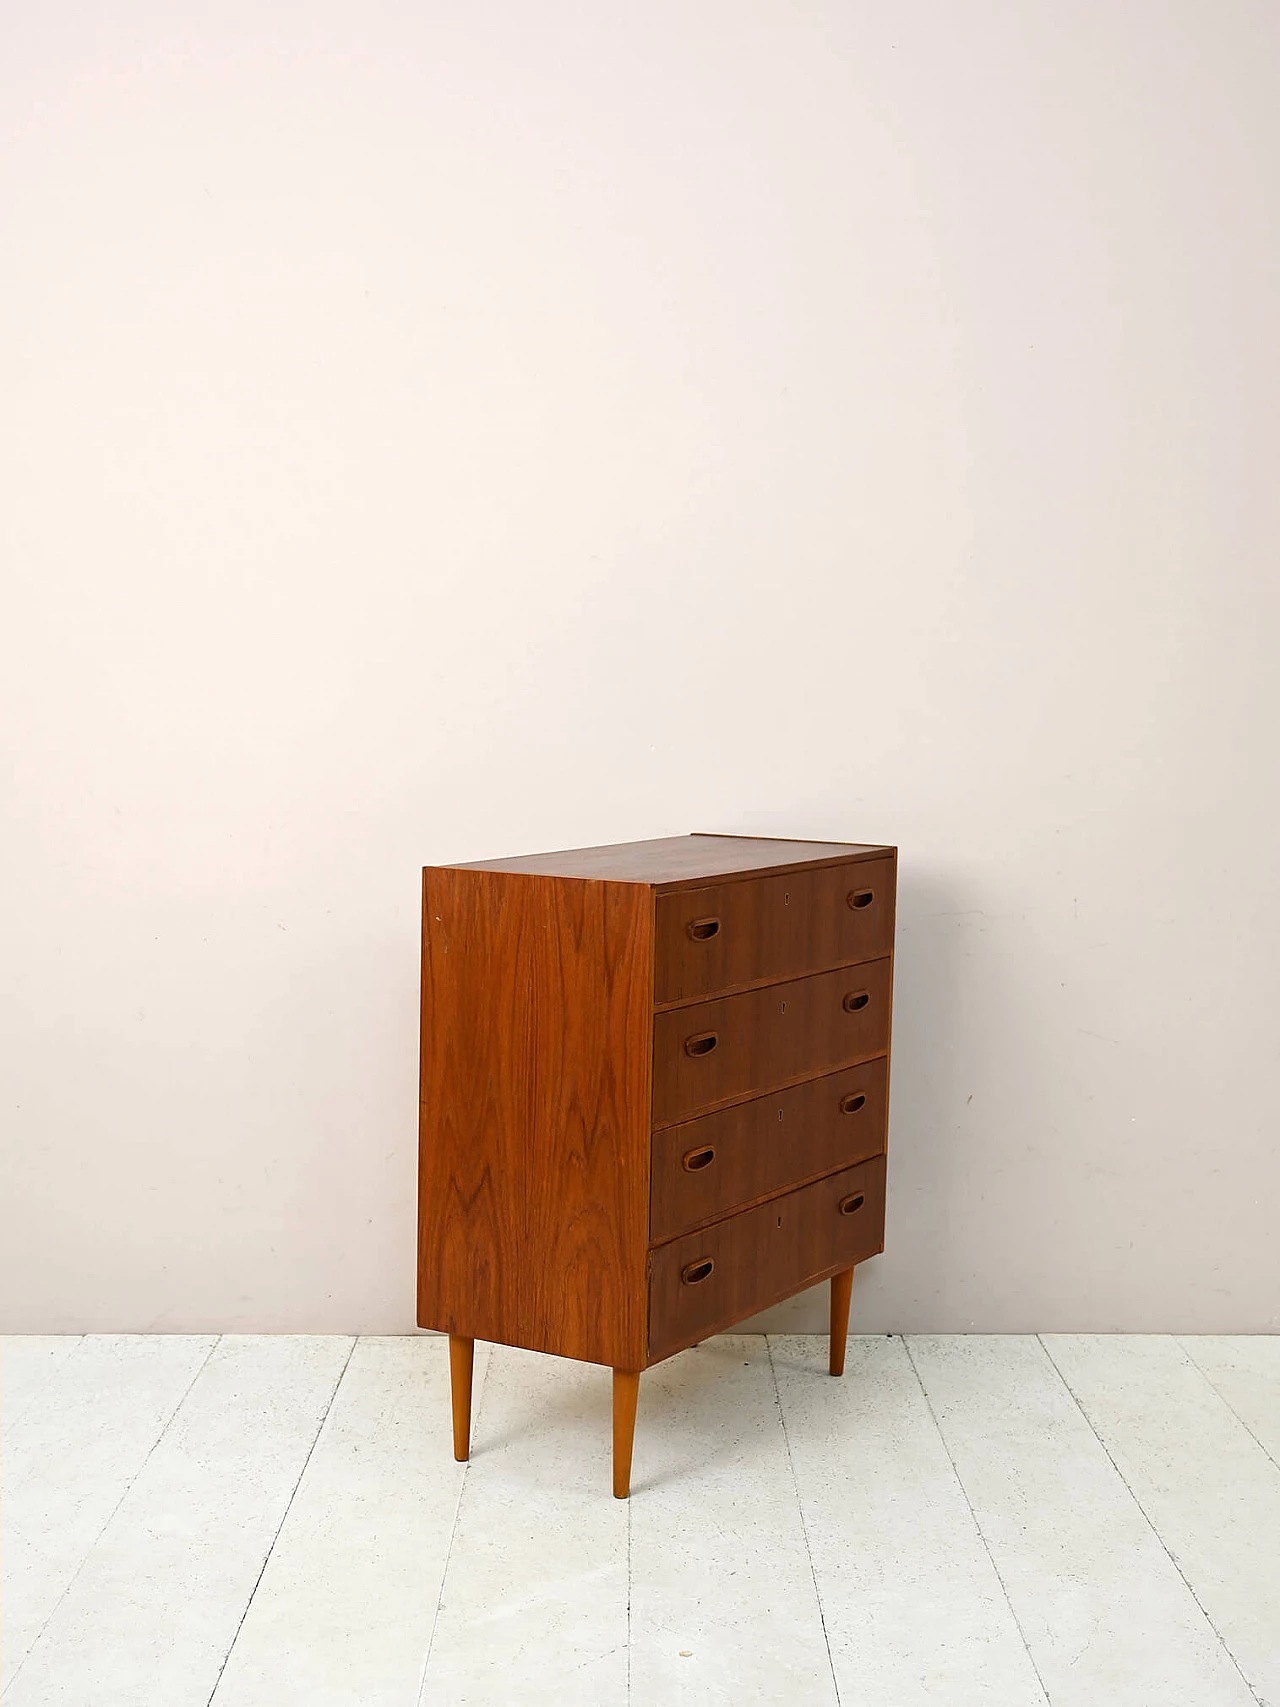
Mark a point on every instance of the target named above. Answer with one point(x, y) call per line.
point(257, 1522)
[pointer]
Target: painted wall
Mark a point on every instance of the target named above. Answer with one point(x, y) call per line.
point(431, 432)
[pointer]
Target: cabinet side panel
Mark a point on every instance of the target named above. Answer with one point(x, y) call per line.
point(534, 1122)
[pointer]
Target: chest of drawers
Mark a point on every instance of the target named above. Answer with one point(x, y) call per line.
point(654, 1096)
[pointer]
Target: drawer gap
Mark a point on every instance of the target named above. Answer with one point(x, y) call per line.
point(755, 1202)
point(759, 1091)
point(766, 983)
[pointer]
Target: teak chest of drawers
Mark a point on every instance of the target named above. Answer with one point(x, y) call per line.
point(654, 1096)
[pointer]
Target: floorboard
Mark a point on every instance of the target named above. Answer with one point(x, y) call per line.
point(153, 1611)
point(724, 1608)
point(1105, 1614)
point(69, 1460)
point(534, 1604)
point(343, 1614)
point(28, 1362)
point(1245, 1370)
point(971, 1522)
point(915, 1612)
point(1201, 1478)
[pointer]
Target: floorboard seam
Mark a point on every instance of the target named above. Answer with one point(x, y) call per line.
point(89, 1552)
point(13, 1421)
point(628, 1600)
point(453, 1529)
point(986, 1545)
point(1204, 1375)
point(1147, 1520)
point(804, 1527)
point(293, 1494)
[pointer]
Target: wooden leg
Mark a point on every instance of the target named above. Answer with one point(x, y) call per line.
point(626, 1394)
point(841, 1286)
point(462, 1353)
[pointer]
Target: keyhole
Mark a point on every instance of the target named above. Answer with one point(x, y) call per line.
point(786, 899)
point(784, 1007)
point(779, 1220)
point(779, 1114)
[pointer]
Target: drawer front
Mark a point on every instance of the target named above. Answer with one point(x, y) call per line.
point(711, 1052)
point(771, 927)
point(705, 1168)
point(707, 1281)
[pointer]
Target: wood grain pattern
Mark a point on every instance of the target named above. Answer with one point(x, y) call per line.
point(707, 941)
point(681, 861)
point(763, 1146)
point(533, 1175)
point(766, 1038)
point(650, 1102)
point(762, 1256)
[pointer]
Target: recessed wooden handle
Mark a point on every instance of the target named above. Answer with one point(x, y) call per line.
point(856, 1000)
point(851, 1204)
point(693, 1272)
point(702, 930)
point(853, 1102)
point(702, 1043)
point(696, 1160)
point(859, 898)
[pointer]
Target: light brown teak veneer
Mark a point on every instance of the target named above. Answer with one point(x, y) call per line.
point(654, 1096)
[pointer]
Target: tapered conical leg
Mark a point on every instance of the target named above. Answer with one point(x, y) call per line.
point(841, 1287)
point(626, 1395)
point(462, 1353)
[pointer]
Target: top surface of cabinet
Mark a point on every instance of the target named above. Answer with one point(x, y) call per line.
point(683, 861)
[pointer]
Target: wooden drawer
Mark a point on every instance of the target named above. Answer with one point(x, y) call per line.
point(714, 1052)
point(705, 1281)
point(708, 940)
point(707, 1167)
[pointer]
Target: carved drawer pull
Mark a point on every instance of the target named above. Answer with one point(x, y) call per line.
point(702, 1043)
point(859, 898)
point(696, 1160)
point(851, 1204)
point(702, 930)
point(856, 1000)
point(853, 1102)
point(693, 1272)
